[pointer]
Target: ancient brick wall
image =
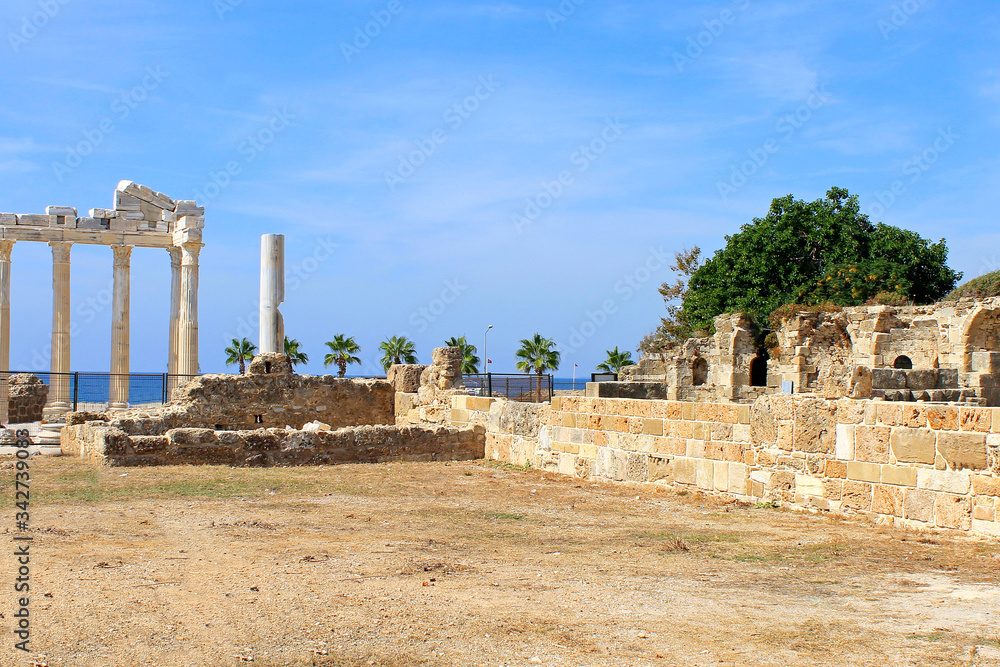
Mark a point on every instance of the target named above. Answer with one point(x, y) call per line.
point(109, 445)
point(918, 465)
point(28, 395)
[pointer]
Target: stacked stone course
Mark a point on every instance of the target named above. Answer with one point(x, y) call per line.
point(916, 465)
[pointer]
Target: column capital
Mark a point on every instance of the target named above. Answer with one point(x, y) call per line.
point(190, 252)
point(6, 246)
point(61, 251)
point(175, 256)
point(123, 254)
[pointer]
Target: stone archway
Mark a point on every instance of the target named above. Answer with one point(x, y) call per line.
point(758, 371)
point(903, 362)
point(981, 335)
point(699, 371)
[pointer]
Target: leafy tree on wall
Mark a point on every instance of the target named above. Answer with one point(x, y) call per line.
point(240, 352)
point(397, 350)
point(470, 362)
point(342, 351)
point(616, 361)
point(812, 253)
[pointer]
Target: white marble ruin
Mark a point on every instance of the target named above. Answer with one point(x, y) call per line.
point(272, 293)
point(140, 218)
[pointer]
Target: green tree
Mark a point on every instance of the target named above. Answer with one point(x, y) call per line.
point(537, 354)
point(398, 350)
point(294, 354)
point(675, 327)
point(616, 361)
point(342, 350)
point(240, 352)
point(470, 362)
point(809, 253)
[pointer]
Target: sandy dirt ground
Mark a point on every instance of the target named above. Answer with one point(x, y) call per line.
point(469, 564)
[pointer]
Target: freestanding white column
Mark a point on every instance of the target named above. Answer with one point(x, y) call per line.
point(59, 383)
point(121, 302)
point(5, 250)
point(272, 292)
point(187, 340)
point(175, 316)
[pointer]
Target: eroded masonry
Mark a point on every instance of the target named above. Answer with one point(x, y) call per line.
point(946, 352)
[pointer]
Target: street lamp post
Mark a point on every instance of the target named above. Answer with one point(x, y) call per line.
point(486, 353)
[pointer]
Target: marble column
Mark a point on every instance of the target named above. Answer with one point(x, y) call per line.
point(60, 400)
point(272, 292)
point(120, 326)
point(187, 339)
point(5, 250)
point(175, 316)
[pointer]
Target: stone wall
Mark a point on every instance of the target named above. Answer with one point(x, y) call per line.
point(821, 352)
point(28, 395)
point(243, 402)
point(109, 445)
point(916, 465)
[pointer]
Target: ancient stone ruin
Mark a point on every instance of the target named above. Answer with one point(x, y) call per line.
point(272, 416)
point(946, 352)
point(28, 395)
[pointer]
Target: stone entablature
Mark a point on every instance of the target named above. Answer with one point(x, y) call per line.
point(821, 353)
point(915, 465)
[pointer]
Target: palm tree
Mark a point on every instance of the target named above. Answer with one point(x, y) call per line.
point(398, 350)
point(342, 353)
point(470, 362)
point(293, 354)
point(616, 361)
point(537, 354)
point(240, 352)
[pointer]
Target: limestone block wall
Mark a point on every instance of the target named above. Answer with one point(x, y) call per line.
point(28, 395)
point(108, 445)
point(918, 465)
point(228, 402)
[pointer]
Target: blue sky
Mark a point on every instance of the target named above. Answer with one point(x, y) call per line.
point(521, 164)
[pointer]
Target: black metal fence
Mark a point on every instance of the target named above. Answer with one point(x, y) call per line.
point(97, 391)
point(528, 388)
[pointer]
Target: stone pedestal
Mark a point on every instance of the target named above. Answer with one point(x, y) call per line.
point(272, 293)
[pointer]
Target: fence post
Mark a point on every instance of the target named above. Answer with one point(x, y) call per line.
point(166, 380)
point(489, 385)
point(76, 390)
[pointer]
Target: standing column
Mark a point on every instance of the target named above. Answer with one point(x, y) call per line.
point(5, 250)
point(175, 316)
point(59, 382)
point(187, 340)
point(272, 292)
point(120, 327)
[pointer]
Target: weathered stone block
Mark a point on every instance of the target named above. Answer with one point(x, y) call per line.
point(705, 474)
point(899, 475)
point(857, 496)
point(918, 505)
point(846, 441)
point(836, 469)
point(815, 426)
point(984, 509)
point(913, 446)
point(872, 444)
point(986, 486)
point(952, 511)
point(963, 450)
point(888, 500)
point(685, 471)
point(864, 472)
point(405, 377)
point(944, 480)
